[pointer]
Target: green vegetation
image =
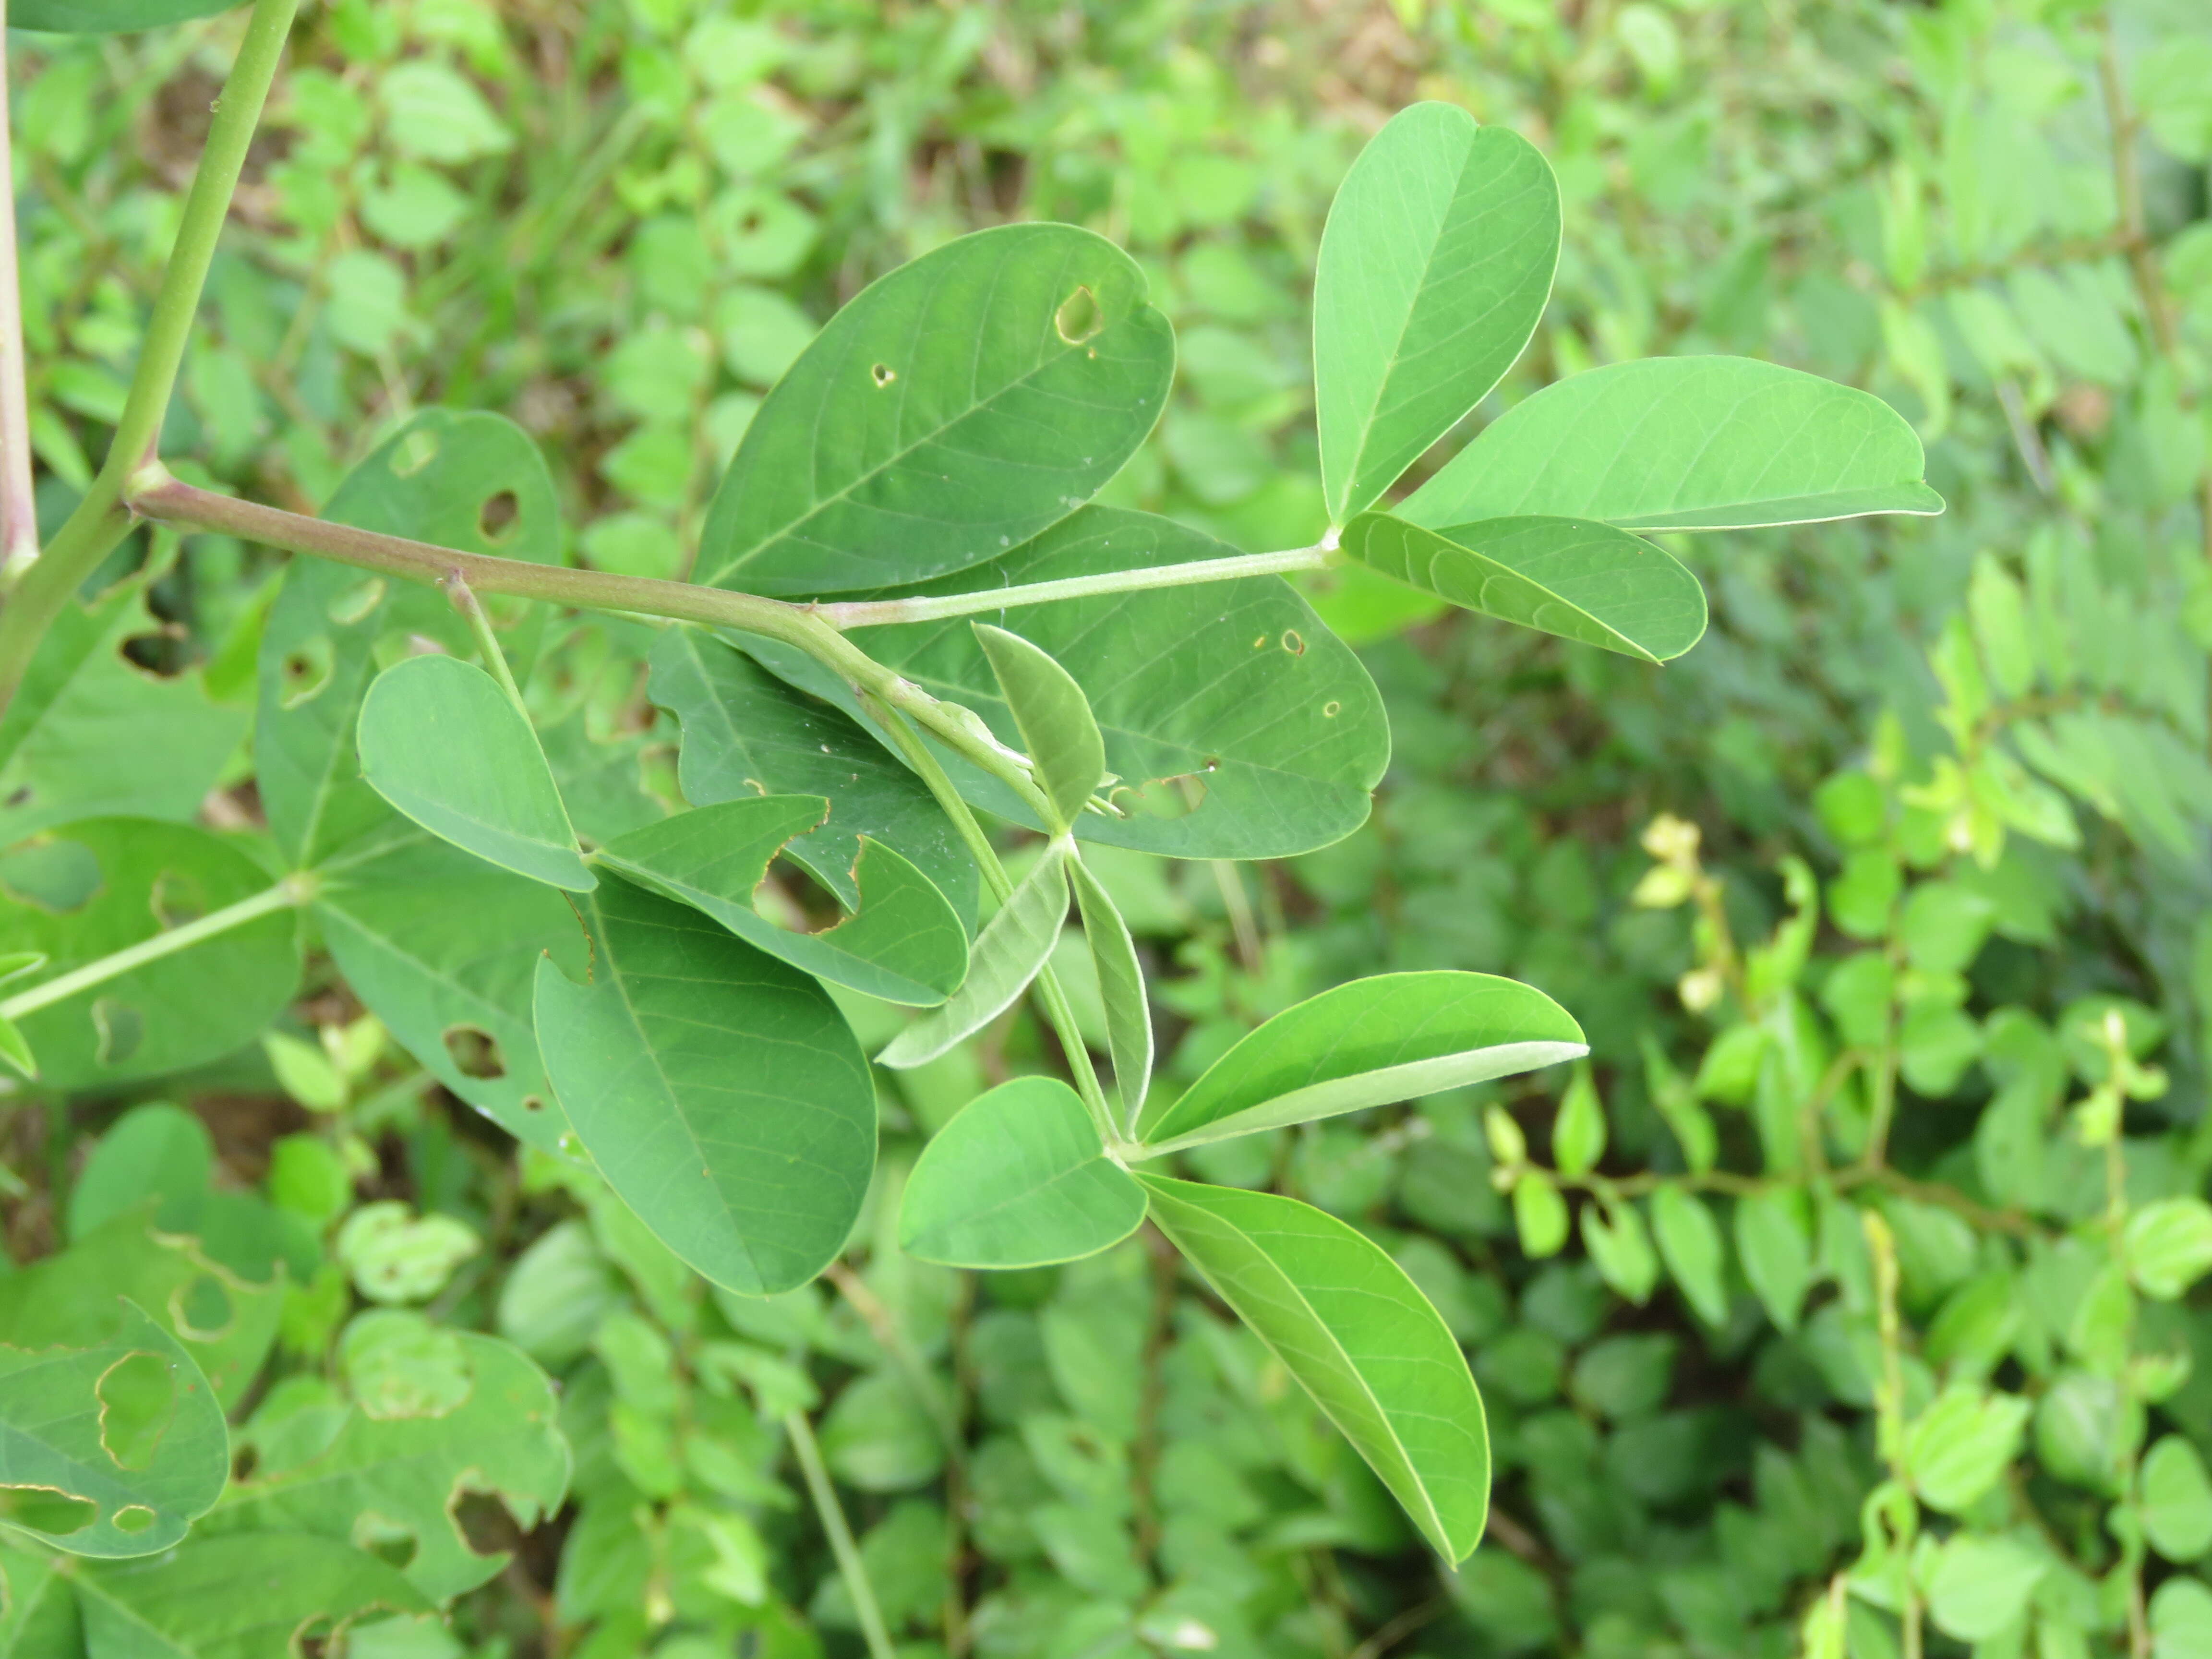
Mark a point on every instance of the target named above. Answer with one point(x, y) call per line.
point(450, 900)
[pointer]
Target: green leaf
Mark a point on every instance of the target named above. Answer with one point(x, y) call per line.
point(2168, 1245)
point(39, 1617)
point(1019, 1179)
point(1059, 732)
point(1981, 1586)
point(956, 408)
point(90, 889)
point(903, 943)
point(17, 1051)
point(440, 741)
point(443, 948)
point(1690, 1244)
point(1387, 1038)
point(108, 16)
point(225, 1321)
point(155, 1152)
point(1121, 987)
point(1012, 947)
point(1238, 725)
point(1959, 1447)
point(2181, 1620)
point(91, 734)
point(246, 1596)
point(2177, 1500)
point(401, 1458)
point(1352, 1328)
point(1774, 1240)
point(1582, 581)
point(474, 483)
point(1620, 1249)
point(717, 1090)
point(1434, 269)
point(112, 1450)
point(1578, 1133)
point(1685, 443)
point(1540, 1215)
point(747, 733)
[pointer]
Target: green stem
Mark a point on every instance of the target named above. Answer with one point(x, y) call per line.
point(19, 507)
point(102, 519)
point(494, 659)
point(877, 613)
point(288, 894)
point(1057, 1008)
point(850, 1567)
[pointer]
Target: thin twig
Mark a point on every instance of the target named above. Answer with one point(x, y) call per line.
point(831, 1514)
point(19, 503)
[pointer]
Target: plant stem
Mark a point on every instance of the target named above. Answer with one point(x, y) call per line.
point(877, 613)
point(102, 519)
point(288, 894)
point(494, 659)
point(1057, 1010)
point(850, 1567)
point(19, 507)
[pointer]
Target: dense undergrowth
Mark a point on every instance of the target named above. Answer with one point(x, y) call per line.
point(1840, 1304)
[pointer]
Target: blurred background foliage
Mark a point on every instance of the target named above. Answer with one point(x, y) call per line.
point(1984, 736)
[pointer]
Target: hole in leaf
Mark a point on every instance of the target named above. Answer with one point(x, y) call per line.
point(202, 1309)
point(1294, 642)
point(137, 1401)
point(304, 672)
point(474, 1053)
point(57, 876)
point(412, 453)
point(313, 1639)
point(1176, 796)
point(176, 898)
point(20, 797)
point(883, 375)
point(133, 1518)
point(483, 1521)
point(388, 1541)
point(356, 603)
point(164, 653)
point(500, 516)
point(120, 1027)
point(49, 1509)
point(1331, 710)
point(1078, 317)
point(790, 896)
point(533, 1103)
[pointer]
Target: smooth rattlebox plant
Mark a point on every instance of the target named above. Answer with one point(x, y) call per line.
point(907, 613)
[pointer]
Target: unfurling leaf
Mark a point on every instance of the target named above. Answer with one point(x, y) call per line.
point(440, 741)
point(903, 944)
point(1059, 732)
point(717, 1090)
point(1685, 443)
point(1540, 1214)
point(1434, 269)
point(1583, 580)
point(1121, 987)
point(1578, 1131)
point(110, 1449)
point(1020, 1178)
point(956, 408)
point(1012, 947)
point(1358, 1336)
point(1391, 1037)
point(1620, 1249)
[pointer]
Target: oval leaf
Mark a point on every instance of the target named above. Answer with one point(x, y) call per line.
point(1238, 725)
point(1059, 734)
point(1434, 267)
point(81, 891)
point(952, 410)
point(746, 733)
point(1019, 1179)
point(112, 1449)
point(1584, 582)
point(717, 1090)
point(223, 1598)
point(1012, 947)
point(904, 944)
point(1368, 1044)
point(1121, 987)
point(1685, 443)
point(440, 741)
point(1358, 1336)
